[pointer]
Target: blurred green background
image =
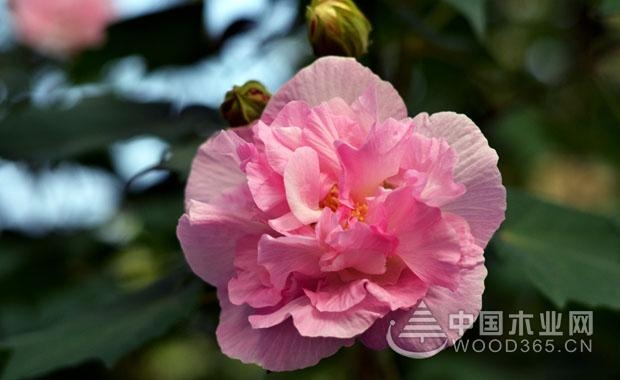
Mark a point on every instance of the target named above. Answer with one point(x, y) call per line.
point(95, 150)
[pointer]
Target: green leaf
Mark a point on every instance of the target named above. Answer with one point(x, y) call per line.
point(103, 333)
point(610, 7)
point(174, 36)
point(4, 358)
point(452, 365)
point(520, 136)
point(567, 254)
point(94, 123)
point(16, 318)
point(474, 12)
point(181, 157)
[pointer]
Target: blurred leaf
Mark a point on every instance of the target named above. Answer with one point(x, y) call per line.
point(104, 333)
point(91, 291)
point(520, 138)
point(9, 260)
point(388, 30)
point(610, 7)
point(567, 254)
point(182, 156)
point(22, 282)
point(474, 12)
point(170, 37)
point(14, 70)
point(159, 214)
point(4, 357)
point(522, 132)
point(469, 366)
point(94, 123)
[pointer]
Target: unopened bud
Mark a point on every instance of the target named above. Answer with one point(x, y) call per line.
point(244, 104)
point(337, 27)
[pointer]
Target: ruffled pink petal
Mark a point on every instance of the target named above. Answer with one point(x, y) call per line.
point(436, 159)
point(471, 254)
point(216, 168)
point(270, 317)
point(427, 244)
point(366, 168)
point(467, 297)
point(441, 302)
point(287, 224)
point(302, 183)
point(345, 324)
point(266, 186)
point(336, 77)
point(484, 203)
point(246, 288)
point(361, 247)
point(294, 114)
point(324, 127)
point(328, 223)
point(279, 142)
point(403, 294)
point(279, 348)
point(347, 121)
point(316, 127)
point(335, 296)
point(366, 107)
point(209, 235)
point(251, 283)
point(311, 322)
point(288, 254)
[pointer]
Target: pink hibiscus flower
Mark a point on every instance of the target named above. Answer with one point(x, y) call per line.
point(335, 213)
point(61, 27)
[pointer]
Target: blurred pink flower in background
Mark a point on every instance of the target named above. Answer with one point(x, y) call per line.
point(61, 28)
point(335, 213)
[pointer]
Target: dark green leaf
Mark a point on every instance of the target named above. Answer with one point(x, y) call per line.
point(520, 138)
point(170, 37)
point(567, 254)
point(22, 280)
point(181, 157)
point(16, 318)
point(474, 12)
point(610, 7)
point(464, 366)
point(4, 358)
point(103, 333)
point(95, 123)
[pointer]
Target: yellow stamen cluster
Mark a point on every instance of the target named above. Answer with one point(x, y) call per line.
point(332, 202)
point(331, 199)
point(360, 211)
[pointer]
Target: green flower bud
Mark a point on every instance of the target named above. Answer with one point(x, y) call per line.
point(337, 27)
point(244, 104)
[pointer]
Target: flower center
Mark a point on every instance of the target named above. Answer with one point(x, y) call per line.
point(360, 211)
point(331, 200)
